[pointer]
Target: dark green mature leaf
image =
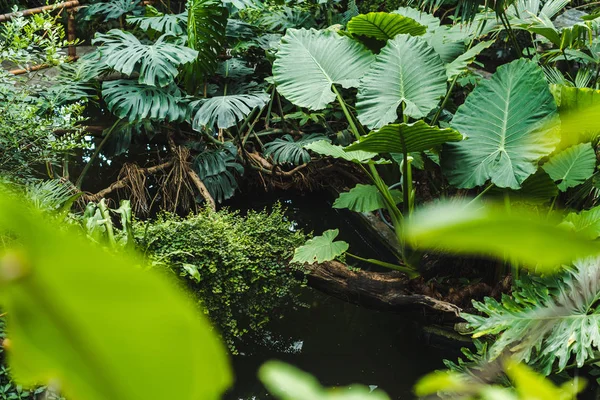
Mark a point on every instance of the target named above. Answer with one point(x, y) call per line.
point(539, 188)
point(572, 166)
point(509, 124)
point(157, 63)
point(225, 111)
point(407, 73)
point(309, 62)
point(207, 23)
point(384, 26)
point(145, 340)
point(364, 198)
point(285, 150)
point(405, 138)
point(548, 330)
point(487, 230)
point(289, 383)
point(320, 248)
point(110, 10)
point(217, 169)
point(134, 102)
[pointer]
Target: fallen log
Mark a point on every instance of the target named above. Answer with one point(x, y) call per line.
point(378, 290)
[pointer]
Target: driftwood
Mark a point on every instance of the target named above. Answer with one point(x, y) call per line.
point(377, 290)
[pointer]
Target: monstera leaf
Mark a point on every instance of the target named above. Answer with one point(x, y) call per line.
point(174, 24)
point(132, 101)
point(320, 248)
point(110, 10)
point(572, 166)
point(364, 198)
point(508, 121)
point(405, 138)
point(225, 111)
point(407, 73)
point(156, 63)
point(286, 150)
point(206, 25)
point(309, 62)
point(587, 222)
point(384, 26)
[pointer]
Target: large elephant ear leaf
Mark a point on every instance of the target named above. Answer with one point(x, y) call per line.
point(320, 248)
point(572, 166)
point(405, 138)
point(225, 111)
point(384, 26)
point(156, 63)
point(364, 198)
point(134, 102)
point(579, 110)
point(309, 62)
point(510, 125)
point(407, 72)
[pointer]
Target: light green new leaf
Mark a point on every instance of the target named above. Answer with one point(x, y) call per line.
point(320, 248)
point(407, 71)
point(384, 26)
point(586, 222)
point(509, 121)
point(225, 111)
point(97, 323)
point(405, 138)
point(133, 101)
point(572, 166)
point(289, 383)
point(156, 63)
point(364, 198)
point(460, 64)
point(579, 110)
point(309, 62)
point(487, 230)
point(325, 148)
point(423, 18)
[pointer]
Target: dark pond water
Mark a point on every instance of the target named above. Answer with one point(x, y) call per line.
point(338, 342)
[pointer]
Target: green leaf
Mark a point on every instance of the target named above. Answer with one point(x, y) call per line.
point(572, 166)
point(320, 248)
point(206, 26)
point(509, 124)
point(579, 110)
point(405, 138)
point(539, 188)
point(285, 150)
point(225, 111)
point(586, 222)
point(309, 62)
point(325, 148)
point(364, 198)
point(423, 18)
point(407, 71)
point(289, 383)
point(156, 63)
point(174, 24)
point(441, 381)
point(460, 64)
point(111, 10)
point(531, 385)
point(145, 340)
point(547, 328)
point(132, 101)
point(384, 26)
point(517, 235)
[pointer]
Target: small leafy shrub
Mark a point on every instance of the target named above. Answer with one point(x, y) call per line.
point(237, 265)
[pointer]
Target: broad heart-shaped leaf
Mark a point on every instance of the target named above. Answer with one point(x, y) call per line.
point(364, 198)
point(539, 188)
point(423, 18)
point(460, 63)
point(320, 248)
point(510, 124)
point(225, 111)
point(325, 148)
point(579, 110)
point(309, 62)
point(407, 71)
point(97, 323)
point(156, 63)
point(384, 26)
point(491, 230)
point(405, 138)
point(572, 166)
point(134, 102)
point(587, 222)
